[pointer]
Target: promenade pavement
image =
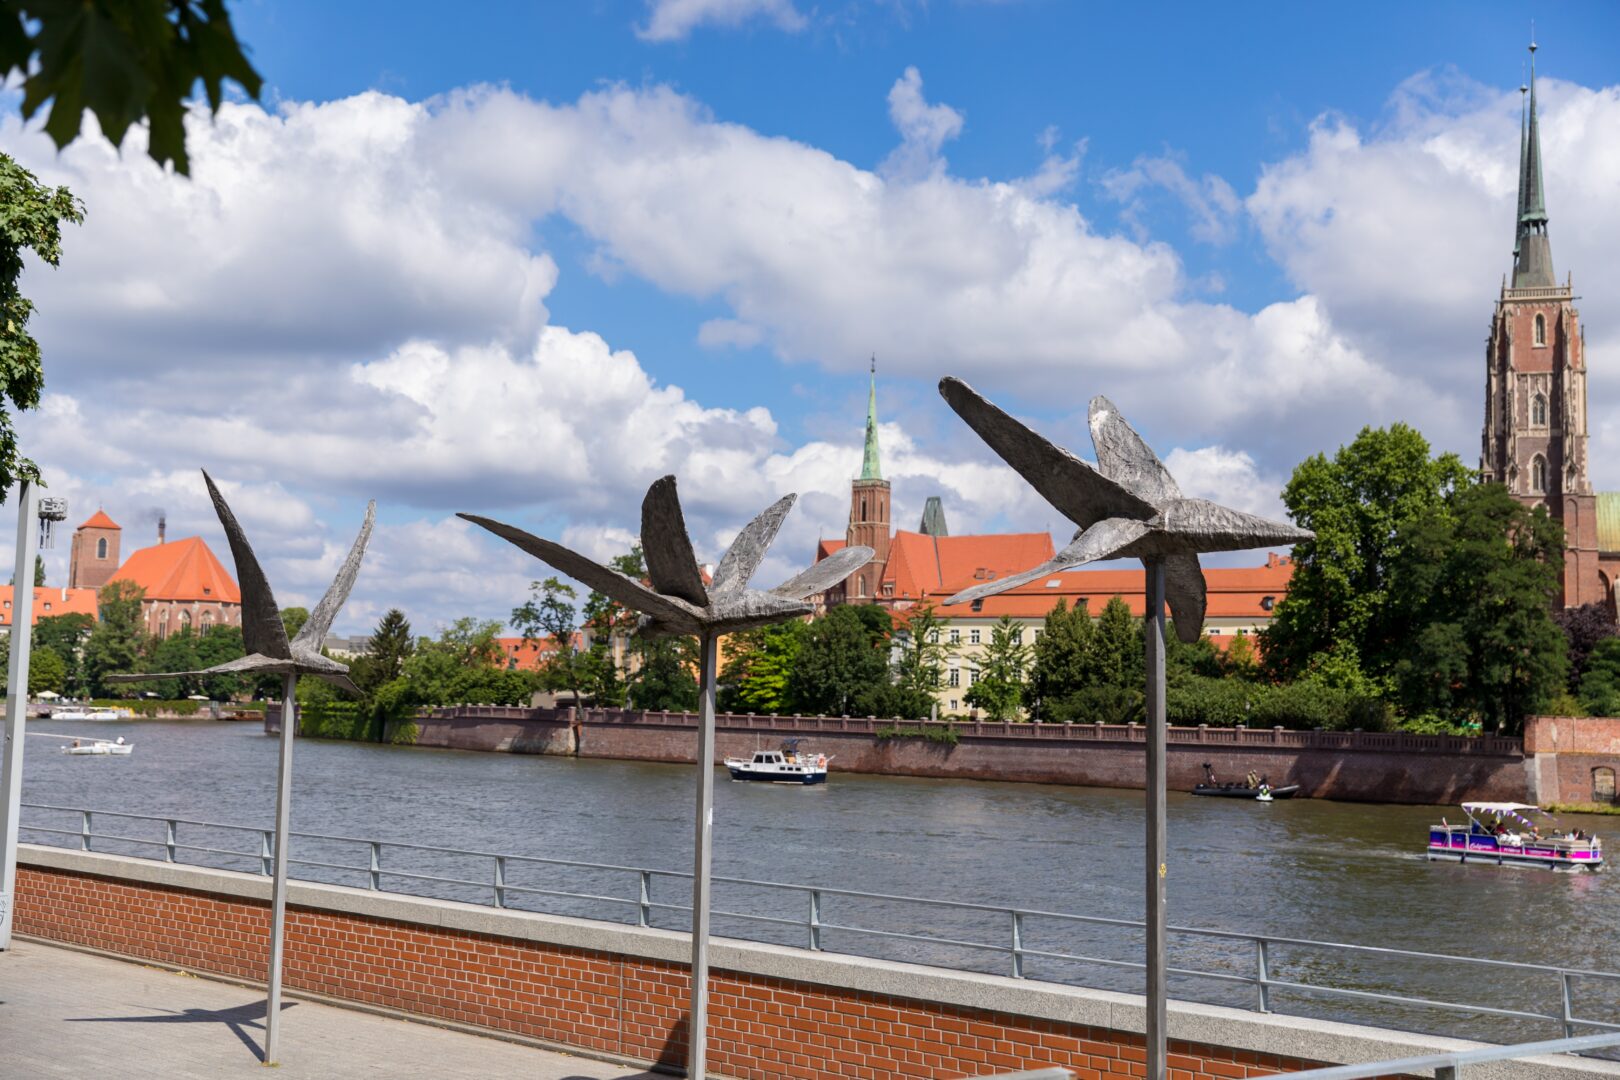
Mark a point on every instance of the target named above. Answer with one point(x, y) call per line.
point(70, 1014)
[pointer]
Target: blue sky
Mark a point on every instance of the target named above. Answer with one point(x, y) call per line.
point(525, 261)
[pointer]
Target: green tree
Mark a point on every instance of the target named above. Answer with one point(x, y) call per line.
point(664, 676)
point(1239, 660)
point(1117, 647)
point(1362, 505)
point(840, 658)
point(924, 653)
point(46, 671)
point(115, 644)
point(549, 614)
point(390, 646)
point(1061, 656)
point(124, 60)
point(39, 572)
point(999, 686)
point(176, 652)
point(759, 663)
point(293, 620)
point(1473, 587)
point(1600, 685)
point(31, 218)
point(217, 645)
point(65, 635)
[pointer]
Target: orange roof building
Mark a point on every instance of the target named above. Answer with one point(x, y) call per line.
point(186, 586)
point(49, 602)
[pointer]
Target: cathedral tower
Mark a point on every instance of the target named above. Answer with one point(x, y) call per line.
point(869, 521)
point(93, 558)
point(1534, 439)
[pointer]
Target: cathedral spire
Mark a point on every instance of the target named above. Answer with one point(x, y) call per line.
point(1532, 264)
point(869, 463)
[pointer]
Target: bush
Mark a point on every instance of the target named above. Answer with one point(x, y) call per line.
point(1308, 703)
point(334, 720)
point(1098, 705)
point(405, 733)
point(150, 707)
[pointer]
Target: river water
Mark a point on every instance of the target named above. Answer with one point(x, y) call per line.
point(1340, 872)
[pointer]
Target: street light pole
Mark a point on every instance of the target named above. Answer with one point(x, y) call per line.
point(1154, 895)
point(703, 835)
point(278, 886)
point(22, 622)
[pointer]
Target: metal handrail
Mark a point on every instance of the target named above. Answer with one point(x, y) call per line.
point(815, 926)
point(1445, 1066)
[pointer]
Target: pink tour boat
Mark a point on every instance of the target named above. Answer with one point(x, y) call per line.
point(1502, 834)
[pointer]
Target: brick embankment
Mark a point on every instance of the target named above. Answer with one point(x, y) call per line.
point(622, 990)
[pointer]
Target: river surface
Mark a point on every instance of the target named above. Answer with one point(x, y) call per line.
point(1339, 872)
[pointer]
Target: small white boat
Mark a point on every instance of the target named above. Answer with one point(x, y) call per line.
point(80, 746)
point(788, 765)
point(86, 712)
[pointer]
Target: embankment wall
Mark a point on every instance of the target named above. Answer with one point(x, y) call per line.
point(1573, 759)
point(621, 991)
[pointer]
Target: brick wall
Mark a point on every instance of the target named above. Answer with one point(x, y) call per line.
point(622, 1005)
point(1569, 754)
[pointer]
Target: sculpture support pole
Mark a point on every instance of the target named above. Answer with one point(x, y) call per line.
point(278, 887)
point(703, 833)
point(1153, 630)
point(22, 605)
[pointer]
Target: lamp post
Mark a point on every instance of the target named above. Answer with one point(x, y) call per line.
point(22, 608)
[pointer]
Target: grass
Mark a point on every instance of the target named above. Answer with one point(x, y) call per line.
point(1582, 808)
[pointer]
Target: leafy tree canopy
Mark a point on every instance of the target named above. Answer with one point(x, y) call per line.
point(843, 654)
point(125, 61)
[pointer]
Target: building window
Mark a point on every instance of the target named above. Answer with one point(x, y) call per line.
point(933, 637)
point(973, 637)
point(1538, 473)
point(954, 678)
point(1018, 636)
point(207, 620)
point(1267, 603)
point(956, 635)
point(953, 704)
point(860, 587)
point(1603, 785)
point(101, 548)
point(185, 620)
point(1541, 329)
point(973, 676)
point(1538, 410)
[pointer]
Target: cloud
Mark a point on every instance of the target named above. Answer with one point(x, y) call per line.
point(674, 20)
point(1209, 201)
point(924, 130)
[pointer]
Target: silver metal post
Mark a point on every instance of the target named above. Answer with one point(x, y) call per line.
point(500, 881)
point(168, 841)
point(1154, 897)
point(1569, 1026)
point(1018, 945)
point(22, 623)
point(644, 899)
point(815, 920)
point(1262, 970)
point(278, 887)
point(374, 875)
point(703, 833)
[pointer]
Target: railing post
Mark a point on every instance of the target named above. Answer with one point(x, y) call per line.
point(1445, 1072)
point(84, 830)
point(1018, 945)
point(1262, 967)
point(1569, 1022)
point(265, 852)
point(374, 877)
point(644, 903)
point(815, 919)
point(500, 881)
point(168, 840)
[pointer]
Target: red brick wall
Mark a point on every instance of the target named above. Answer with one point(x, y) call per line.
point(621, 1005)
point(1576, 747)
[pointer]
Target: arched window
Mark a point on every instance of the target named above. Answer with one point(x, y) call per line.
point(860, 586)
point(205, 621)
point(1538, 410)
point(1538, 473)
point(1541, 329)
point(185, 620)
point(863, 508)
point(101, 548)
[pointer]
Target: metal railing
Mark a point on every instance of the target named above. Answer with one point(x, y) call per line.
point(1253, 966)
point(1446, 1066)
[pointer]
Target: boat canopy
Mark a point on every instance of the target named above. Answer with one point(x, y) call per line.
point(1496, 807)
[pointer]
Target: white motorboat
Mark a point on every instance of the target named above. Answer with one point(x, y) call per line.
point(87, 712)
point(80, 746)
point(788, 765)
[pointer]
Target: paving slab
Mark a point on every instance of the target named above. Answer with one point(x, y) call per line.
point(65, 1013)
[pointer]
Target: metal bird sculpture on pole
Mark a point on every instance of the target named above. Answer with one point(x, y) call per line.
point(679, 603)
point(270, 652)
point(1126, 506)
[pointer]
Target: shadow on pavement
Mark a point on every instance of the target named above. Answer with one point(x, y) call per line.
point(238, 1019)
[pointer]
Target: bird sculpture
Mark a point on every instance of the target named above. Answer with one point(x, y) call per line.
point(1128, 506)
point(263, 635)
point(678, 602)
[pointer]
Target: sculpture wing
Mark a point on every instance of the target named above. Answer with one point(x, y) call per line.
point(625, 590)
point(262, 630)
point(742, 558)
point(1104, 540)
point(313, 633)
point(668, 550)
point(1081, 493)
point(1125, 458)
point(1184, 591)
point(1200, 525)
point(826, 573)
point(252, 664)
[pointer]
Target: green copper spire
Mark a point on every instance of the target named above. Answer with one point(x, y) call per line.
point(869, 463)
point(1532, 251)
point(1524, 143)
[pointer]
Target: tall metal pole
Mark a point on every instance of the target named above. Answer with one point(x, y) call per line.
point(22, 623)
point(703, 834)
point(278, 887)
point(1154, 896)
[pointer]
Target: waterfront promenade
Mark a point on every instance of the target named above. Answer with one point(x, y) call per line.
point(65, 1013)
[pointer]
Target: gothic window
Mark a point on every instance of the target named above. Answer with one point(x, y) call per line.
point(1541, 329)
point(101, 548)
point(206, 621)
point(1538, 473)
point(860, 586)
point(185, 620)
point(1538, 410)
point(863, 509)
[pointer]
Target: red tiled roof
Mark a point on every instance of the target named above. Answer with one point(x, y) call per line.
point(920, 564)
point(181, 570)
point(100, 520)
point(825, 548)
point(1238, 593)
point(527, 654)
point(50, 601)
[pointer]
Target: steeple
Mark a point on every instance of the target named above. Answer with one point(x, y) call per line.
point(869, 463)
point(1532, 251)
